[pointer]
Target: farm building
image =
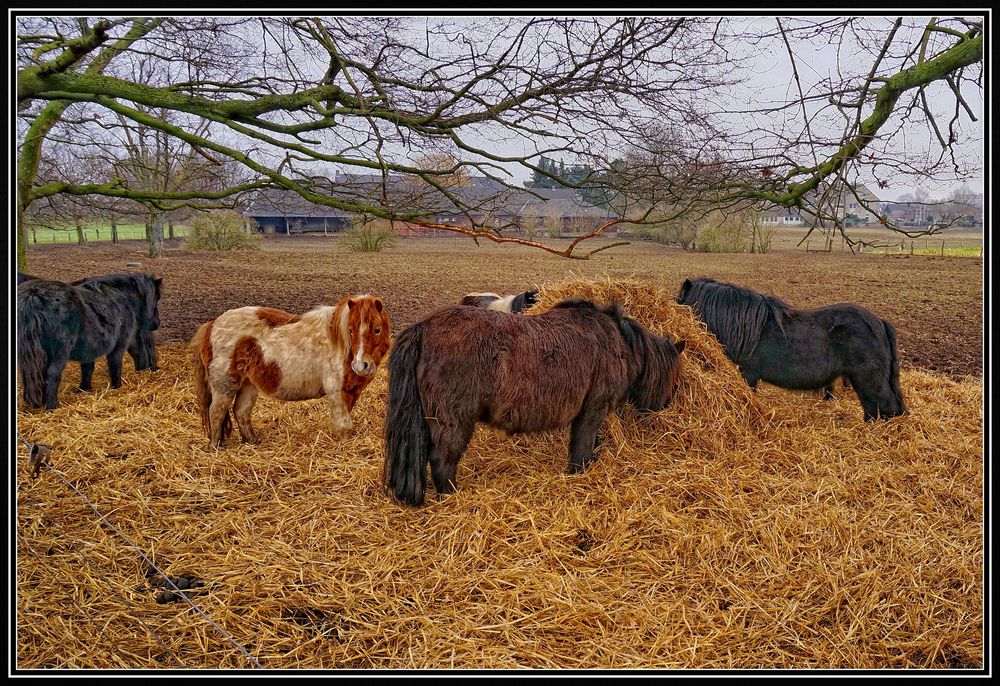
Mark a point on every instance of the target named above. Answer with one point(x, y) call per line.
point(921, 213)
point(479, 201)
point(288, 212)
point(839, 202)
point(781, 216)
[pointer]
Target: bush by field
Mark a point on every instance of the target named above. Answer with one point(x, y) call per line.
point(221, 230)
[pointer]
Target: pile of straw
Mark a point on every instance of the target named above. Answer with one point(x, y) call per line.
point(732, 530)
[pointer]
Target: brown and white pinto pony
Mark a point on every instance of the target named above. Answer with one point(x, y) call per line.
point(502, 303)
point(462, 365)
point(328, 351)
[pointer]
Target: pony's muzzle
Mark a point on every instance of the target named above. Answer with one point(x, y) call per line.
point(364, 367)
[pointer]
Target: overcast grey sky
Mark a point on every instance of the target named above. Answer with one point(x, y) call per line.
point(767, 81)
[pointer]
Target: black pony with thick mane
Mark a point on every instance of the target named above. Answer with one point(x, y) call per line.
point(802, 349)
point(142, 349)
point(566, 367)
point(99, 316)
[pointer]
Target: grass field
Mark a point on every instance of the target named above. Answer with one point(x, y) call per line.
point(956, 243)
point(98, 232)
point(949, 251)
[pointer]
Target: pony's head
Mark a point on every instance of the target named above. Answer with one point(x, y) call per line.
point(736, 316)
point(685, 290)
point(149, 291)
point(888, 396)
point(656, 365)
point(523, 301)
point(370, 329)
point(142, 349)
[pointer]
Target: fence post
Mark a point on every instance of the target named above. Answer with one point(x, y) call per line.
point(942, 248)
point(911, 247)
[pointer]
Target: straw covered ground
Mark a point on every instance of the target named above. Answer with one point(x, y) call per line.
point(731, 530)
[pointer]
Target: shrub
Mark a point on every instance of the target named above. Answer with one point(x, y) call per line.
point(761, 235)
point(737, 231)
point(720, 232)
point(369, 235)
point(221, 230)
point(681, 231)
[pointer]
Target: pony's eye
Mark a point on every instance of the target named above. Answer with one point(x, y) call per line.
point(378, 331)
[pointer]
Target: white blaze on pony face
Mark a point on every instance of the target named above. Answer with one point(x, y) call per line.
point(358, 364)
point(368, 330)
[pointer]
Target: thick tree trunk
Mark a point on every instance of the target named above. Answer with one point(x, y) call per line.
point(31, 151)
point(81, 235)
point(170, 229)
point(156, 234)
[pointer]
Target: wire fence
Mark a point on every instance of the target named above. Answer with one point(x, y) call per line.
point(945, 247)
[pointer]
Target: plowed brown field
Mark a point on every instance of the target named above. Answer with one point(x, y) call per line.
point(936, 303)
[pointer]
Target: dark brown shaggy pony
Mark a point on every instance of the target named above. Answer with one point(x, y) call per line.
point(463, 365)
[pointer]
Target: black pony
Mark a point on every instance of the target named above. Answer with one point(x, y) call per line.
point(142, 349)
point(802, 349)
point(103, 315)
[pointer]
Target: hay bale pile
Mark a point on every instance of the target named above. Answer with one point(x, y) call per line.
point(732, 530)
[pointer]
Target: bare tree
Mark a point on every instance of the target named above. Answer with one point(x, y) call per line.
point(859, 123)
point(286, 96)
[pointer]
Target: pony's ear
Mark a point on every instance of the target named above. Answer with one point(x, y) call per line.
point(351, 304)
point(679, 345)
point(378, 305)
point(685, 287)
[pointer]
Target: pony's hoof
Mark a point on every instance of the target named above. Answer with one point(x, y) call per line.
point(81, 389)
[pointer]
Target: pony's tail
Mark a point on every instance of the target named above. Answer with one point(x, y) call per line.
point(31, 357)
point(201, 347)
point(407, 435)
point(890, 333)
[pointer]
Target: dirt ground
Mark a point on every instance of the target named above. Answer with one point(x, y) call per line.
point(936, 303)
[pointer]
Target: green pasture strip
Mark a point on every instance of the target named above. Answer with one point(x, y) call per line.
point(961, 251)
point(99, 232)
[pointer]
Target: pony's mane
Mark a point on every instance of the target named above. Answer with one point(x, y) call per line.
point(654, 367)
point(631, 330)
point(614, 310)
point(116, 280)
point(144, 286)
point(735, 315)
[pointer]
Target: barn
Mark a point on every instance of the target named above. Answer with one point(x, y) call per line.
point(478, 200)
point(279, 211)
